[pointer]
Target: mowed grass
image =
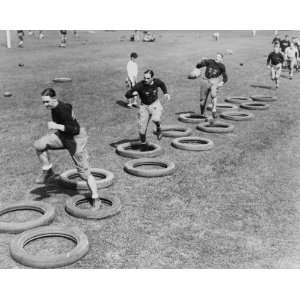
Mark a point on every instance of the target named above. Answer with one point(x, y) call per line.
point(236, 206)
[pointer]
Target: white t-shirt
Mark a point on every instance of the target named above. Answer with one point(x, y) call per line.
point(291, 53)
point(132, 71)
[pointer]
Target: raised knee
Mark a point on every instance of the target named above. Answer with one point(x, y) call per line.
point(39, 145)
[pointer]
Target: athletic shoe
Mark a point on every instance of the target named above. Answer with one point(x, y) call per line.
point(145, 147)
point(129, 105)
point(44, 176)
point(96, 203)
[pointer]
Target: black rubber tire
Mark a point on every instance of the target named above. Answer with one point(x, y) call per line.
point(263, 98)
point(193, 118)
point(47, 210)
point(131, 167)
point(223, 107)
point(255, 106)
point(62, 79)
point(104, 212)
point(189, 143)
point(237, 100)
point(66, 179)
point(19, 254)
point(123, 151)
point(216, 127)
point(7, 94)
point(175, 131)
point(237, 115)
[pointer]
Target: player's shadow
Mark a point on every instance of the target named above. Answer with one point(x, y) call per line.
point(185, 112)
point(261, 86)
point(122, 103)
point(284, 76)
point(52, 187)
point(134, 141)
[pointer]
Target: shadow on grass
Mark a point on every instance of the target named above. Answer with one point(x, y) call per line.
point(52, 187)
point(262, 86)
point(185, 112)
point(284, 76)
point(115, 144)
point(122, 103)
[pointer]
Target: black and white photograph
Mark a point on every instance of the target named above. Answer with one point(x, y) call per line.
point(143, 148)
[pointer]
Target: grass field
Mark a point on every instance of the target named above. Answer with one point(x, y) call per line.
point(236, 206)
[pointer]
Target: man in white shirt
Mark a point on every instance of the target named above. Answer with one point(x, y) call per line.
point(132, 73)
point(291, 56)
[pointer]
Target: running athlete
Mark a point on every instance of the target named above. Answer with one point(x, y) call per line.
point(276, 40)
point(150, 107)
point(68, 135)
point(63, 36)
point(274, 62)
point(285, 43)
point(291, 56)
point(21, 34)
point(132, 73)
point(215, 77)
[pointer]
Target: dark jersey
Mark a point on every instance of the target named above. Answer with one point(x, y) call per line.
point(213, 69)
point(275, 58)
point(62, 114)
point(284, 44)
point(147, 92)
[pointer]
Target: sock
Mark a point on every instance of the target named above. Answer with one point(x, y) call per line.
point(157, 125)
point(202, 107)
point(47, 168)
point(143, 138)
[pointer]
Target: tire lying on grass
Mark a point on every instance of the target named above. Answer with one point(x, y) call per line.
point(192, 143)
point(103, 179)
point(237, 100)
point(216, 127)
point(175, 131)
point(263, 98)
point(237, 115)
point(191, 118)
point(132, 150)
point(48, 215)
point(255, 106)
point(223, 107)
point(167, 167)
point(62, 79)
point(110, 207)
point(20, 255)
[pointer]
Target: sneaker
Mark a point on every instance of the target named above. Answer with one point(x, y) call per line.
point(96, 203)
point(145, 147)
point(129, 105)
point(159, 134)
point(44, 176)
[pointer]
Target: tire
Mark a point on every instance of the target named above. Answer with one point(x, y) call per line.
point(191, 118)
point(223, 107)
point(131, 167)
point(62, 79)
point(73, 209)
point(255, 106)
point(67, 179)
point(263, 98)
point(47, 210)
point(123, 150)
point(237, 115)
point(237, 100)
point(217, 127)
point(193, 143)
point(175, 131)
point(19, 254)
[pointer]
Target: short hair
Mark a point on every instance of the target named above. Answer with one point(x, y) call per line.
point(219, 53)
point(133, 55)
point(149, 72)
point(49, 92)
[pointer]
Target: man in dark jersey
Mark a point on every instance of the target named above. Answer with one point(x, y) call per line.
point(274, 62)
point(215, 77)
point(150, 107)
point(285, 43)
point(276, 40)
point(68, 135)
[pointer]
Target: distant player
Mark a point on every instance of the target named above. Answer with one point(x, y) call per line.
point(276, 40)
point(215, 77)
point(132, 73)
point(150, 108)
point(291, 56)
point(21, 35)
point(68, 134)
point(63, 37)
point(274, 62)
point(285, 43)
